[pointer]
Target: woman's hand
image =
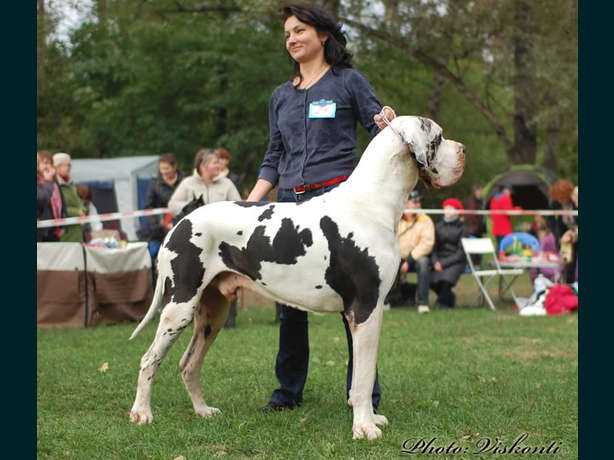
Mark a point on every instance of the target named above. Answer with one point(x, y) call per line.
point(260, 190)
point(438, 267)
point(387, 112)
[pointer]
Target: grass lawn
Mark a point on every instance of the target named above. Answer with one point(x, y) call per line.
point(457, 376)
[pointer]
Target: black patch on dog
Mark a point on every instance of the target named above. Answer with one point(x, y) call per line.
point(188, 208)
point(319, 286)
point(198, 234)
point(240, 232)
point(249, 204)
point(432, 148)
point(168, 291)
point(266, 214)
point(263, 283)
point(288, 245)
point(425, 124)
point(207, 331)
point(188, 270)
point(352, 272)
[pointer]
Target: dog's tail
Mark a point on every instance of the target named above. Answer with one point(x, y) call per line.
point(153, 308)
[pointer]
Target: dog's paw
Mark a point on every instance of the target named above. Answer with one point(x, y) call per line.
point(206, 411)
point(366, 430)
point(141, 416)
point(380, 420)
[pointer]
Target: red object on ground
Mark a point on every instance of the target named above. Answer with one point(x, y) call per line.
point(560, 299)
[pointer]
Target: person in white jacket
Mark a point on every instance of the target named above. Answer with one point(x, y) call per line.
point(205, 182)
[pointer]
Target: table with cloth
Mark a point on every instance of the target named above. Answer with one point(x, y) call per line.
point(81, 285)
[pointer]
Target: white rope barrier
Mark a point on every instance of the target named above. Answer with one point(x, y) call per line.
point(99, 217)
point(157, 211)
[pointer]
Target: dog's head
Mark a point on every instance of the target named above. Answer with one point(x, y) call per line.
point(440, 161)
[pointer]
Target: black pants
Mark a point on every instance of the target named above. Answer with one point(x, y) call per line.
point(292, 362)
point(445, 296)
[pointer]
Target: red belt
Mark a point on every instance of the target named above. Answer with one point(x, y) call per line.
point(308, 187)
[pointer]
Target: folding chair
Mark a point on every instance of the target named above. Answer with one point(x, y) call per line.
point(484, 246)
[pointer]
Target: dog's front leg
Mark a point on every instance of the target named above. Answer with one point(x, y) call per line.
point(365, 338)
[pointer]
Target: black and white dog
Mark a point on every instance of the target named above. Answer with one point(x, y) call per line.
point(337, 252)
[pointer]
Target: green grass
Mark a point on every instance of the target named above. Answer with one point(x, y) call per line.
point(452, 375)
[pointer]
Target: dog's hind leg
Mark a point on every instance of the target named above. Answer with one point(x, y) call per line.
point(208, 320)
point(365, 340)
point(173, 319)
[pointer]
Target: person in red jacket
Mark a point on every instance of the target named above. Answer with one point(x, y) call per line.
point(501, 223)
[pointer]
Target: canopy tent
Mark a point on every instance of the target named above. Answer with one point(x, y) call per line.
point(529, 186)
point(118, 184)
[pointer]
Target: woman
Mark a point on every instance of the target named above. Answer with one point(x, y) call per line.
point(49, 202)
point(448, 257)
point(205, 183)
point(312, 141)
point(564, 228)
point(158, 196)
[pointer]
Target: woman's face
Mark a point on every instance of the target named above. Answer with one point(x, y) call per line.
point(210, 168)
point(303, 42)
point(167, 171)
point(450, 213)
point(43, 164)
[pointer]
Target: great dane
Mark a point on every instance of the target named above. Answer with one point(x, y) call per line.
point(334, 253)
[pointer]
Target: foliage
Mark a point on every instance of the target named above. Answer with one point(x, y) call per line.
point(150, 77)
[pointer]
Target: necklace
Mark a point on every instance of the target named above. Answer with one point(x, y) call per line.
point(314, 79)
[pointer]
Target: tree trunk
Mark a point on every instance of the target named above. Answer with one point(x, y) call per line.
point(553, 141)
point(332, 6)
point(101, 11)
point(40, 46)
point(524, 149)
point(391, 15)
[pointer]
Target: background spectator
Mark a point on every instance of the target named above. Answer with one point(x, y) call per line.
point(49, 203)
point(205, 182)
point(85, 193)
point(501, 223)
point(564, 228)
point(158, 196)
point(448, 257)
point(73, 205)
point(225, 157)
point(547, 243)
point(416, 239)
point(475, 224)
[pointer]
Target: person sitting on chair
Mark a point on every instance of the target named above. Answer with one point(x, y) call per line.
point(448, 257)
point(416, 239)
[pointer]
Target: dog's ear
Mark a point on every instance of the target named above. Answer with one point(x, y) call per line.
point(199, 201)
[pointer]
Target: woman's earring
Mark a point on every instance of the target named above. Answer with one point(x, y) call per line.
point(323, 43)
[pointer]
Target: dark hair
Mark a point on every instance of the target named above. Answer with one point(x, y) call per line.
point(168, 158)
point(335, 53)
point(84, 192)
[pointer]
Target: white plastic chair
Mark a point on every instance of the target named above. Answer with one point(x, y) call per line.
point(484, 246)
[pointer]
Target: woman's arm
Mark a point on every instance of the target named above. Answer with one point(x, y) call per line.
point(179, 198)
point(260, 190)
point(275, 149)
